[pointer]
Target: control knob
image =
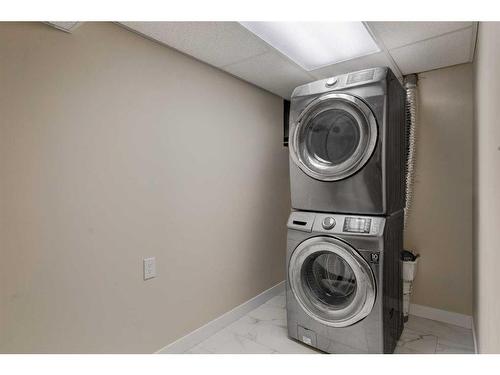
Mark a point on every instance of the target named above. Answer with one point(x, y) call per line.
point(328, 222)
point(330, 82)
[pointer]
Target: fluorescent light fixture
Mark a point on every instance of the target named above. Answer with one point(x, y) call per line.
point(313, 45)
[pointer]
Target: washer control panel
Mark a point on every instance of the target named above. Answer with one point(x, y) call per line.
point(336, 224)
point(348, 224)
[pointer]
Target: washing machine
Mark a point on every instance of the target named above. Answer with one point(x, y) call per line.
point(348, 144)
point(344, 285)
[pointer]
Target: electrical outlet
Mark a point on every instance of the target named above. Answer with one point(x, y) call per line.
point(149, 268)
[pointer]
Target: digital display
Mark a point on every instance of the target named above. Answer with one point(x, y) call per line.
point(357, 225)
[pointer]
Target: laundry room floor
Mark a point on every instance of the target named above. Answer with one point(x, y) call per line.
point(263, 331)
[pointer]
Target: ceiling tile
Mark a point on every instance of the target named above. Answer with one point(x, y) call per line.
point(446, 50)
point(409, 47)
point(397, 34)
point(272, 72)
point(365, 62)
point(67, 26)
point(216, 43)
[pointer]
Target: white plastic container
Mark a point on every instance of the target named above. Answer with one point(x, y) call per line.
point(409, 272)
point(410, 269)
point(406, 306)
point(406, 287)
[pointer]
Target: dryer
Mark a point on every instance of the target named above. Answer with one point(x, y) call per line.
point(344, 286)
point(348, 144)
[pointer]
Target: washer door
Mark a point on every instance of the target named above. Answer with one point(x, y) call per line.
point(331, 281)
point(334, 137)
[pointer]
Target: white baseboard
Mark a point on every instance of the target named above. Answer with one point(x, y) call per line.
point(449, 317)
point(474, 338)
point(202, 333)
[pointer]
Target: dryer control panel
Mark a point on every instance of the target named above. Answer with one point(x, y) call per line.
point(342, 82)
point(337, 224)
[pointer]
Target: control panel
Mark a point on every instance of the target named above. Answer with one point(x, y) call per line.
point(337, 224)
point(340, 82)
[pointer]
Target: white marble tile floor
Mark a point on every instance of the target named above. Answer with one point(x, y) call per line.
point(263, 331)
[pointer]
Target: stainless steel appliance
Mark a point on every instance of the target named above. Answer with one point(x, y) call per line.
point(344, 288)
point(347, 144)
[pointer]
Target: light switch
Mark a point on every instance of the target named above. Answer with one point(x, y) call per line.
point(149, 268)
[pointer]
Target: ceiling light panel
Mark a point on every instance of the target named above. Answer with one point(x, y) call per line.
point(313, 45)
point(67, 26)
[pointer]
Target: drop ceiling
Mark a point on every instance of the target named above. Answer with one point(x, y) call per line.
point(67, 26)
point(406, 47)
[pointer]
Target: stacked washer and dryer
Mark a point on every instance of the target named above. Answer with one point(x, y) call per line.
point(345, 232)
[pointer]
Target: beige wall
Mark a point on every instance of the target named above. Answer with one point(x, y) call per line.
point(440, 224)
point(114, 148)
point(487, 189)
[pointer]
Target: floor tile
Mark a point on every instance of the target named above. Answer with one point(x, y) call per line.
point(270, 333)
point(449, 347)
point(443, 331)
point(419, 342)
point(278, 301)
point(263, 331)
point(228, 342)
point(198, 349)
point(404, 350)
point(270, 314)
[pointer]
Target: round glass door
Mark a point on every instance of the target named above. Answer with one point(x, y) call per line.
point(329, 279)
point(333, 137)
point(332, 282)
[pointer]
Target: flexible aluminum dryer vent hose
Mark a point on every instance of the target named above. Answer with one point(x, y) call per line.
point(410, 84)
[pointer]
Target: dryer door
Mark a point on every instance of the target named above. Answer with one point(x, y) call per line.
point(334, 137)
point(331, 281)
